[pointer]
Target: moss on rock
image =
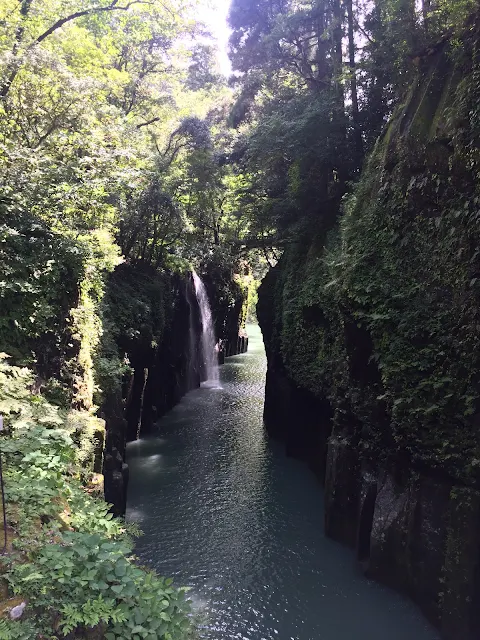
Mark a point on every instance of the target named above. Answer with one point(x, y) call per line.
point(378, 317)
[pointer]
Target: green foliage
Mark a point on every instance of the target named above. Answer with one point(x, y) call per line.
point(379, 316)
point(87, 433)
point(91, 97)
point(112, 140)
point(20, 407)
point(88, 580)
point(72, 562)
point(17, 630)
point(306, 112)
point(39, 273)
point(24, 412)
point(136, 311)
point(410, 264)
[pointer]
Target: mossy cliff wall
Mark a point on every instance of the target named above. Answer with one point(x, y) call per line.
point(124, 339)
point(144, 361)
point(372, 332)
point(150, 354)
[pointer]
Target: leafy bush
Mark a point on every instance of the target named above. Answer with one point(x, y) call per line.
point(72, 561)
point(87, 579)
point(17, 630)
point(39, 272)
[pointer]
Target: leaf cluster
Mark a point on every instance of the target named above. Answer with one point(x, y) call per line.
point(72, 561)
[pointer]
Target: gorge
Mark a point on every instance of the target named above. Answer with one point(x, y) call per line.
point(224, 511)
point(326, 485)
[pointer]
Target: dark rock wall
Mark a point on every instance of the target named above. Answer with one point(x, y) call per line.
point(372, 337)
point(153, 321)
point(228, 297)
point(115, 468)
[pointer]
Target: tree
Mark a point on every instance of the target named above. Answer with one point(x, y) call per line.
point(310, 112)
point(22, 45)
point(298, 145)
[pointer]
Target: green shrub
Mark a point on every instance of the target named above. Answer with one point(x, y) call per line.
point(86, 579)
point(17, 630)
point(72, 561)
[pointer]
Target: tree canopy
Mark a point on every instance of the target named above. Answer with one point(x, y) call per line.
point(316, 83)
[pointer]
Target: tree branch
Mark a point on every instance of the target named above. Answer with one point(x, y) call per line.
point(145, 124)
point(113, 6)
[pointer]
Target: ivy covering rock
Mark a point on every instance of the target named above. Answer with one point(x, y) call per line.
point(372, 333)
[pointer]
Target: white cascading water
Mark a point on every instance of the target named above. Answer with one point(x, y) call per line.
point(192, 380)
point(208, 341)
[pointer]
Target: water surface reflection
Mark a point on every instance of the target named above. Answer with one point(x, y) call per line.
point(225, 512)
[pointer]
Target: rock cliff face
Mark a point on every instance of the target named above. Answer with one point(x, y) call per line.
point(153, 320)
point(372, 332)
point(229, 301)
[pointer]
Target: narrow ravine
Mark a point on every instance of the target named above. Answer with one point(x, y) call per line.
point(225, 512)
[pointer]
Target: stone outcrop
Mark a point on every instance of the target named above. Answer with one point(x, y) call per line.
point(371, 331)
point(153, 322)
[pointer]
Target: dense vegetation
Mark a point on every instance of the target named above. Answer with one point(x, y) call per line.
point(69, 558)
point(363, 240)
point(318, 82)
point(371, 314)
point(112, 154)
point(111, 140)
point(126, 159)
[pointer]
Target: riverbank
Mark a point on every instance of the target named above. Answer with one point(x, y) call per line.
point(68, 569)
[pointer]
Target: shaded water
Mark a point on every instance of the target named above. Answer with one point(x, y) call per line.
point(225, 512)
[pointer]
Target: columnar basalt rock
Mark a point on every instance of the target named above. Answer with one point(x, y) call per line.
point(371, 332)
point(115, 469)
point(155, 325)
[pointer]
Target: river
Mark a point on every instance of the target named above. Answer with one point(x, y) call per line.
point(224, 511)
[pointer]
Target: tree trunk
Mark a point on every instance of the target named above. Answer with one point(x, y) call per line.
point(337, 54)
point(320, 57)
point(426, 8)
point(357, 132)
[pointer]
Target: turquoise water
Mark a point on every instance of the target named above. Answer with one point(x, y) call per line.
point(224, 511)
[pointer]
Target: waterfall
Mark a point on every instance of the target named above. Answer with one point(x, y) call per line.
point(193, 379)
point(208, 340)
